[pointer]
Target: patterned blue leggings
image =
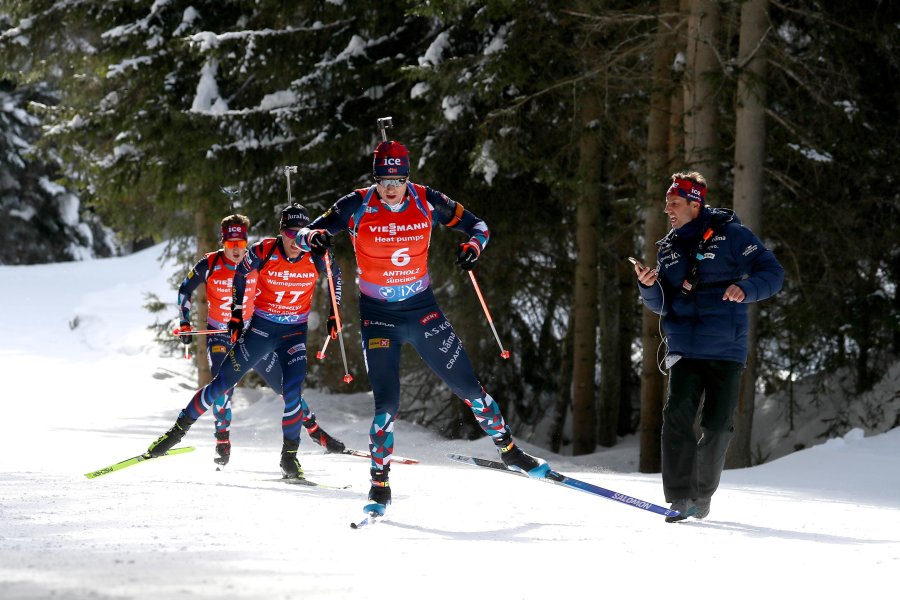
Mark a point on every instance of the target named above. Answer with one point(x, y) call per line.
point(386, 326)
point(262, 337)
point(269, 368)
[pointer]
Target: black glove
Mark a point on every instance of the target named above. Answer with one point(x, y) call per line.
point(319, 241)
point(332, 326)
point(236, 324)
point(468, 254)
point(184, 326)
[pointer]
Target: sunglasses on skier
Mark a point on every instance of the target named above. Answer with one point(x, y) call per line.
point(290, 234)
point(232, 244)
point(384, 181)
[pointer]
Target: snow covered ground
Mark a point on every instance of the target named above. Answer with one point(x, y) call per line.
point(86, 386)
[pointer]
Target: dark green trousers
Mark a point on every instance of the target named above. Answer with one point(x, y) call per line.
point(691, 468)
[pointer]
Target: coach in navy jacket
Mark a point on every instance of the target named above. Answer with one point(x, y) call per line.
point(709, 268)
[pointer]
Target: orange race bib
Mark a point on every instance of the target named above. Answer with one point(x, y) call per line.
point(392, 247)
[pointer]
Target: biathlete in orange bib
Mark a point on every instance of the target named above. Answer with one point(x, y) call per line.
point(390, 225)
point(286, 280)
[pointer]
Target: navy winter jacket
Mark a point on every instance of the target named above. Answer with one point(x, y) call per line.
point(700, 324)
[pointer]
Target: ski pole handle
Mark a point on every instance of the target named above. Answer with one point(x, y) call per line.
point(337, 317)
point(503, 353)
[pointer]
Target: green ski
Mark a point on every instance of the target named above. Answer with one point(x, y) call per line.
point(135, 460)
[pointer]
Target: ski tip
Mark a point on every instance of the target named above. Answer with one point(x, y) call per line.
point(135, 460)
point(95, 474)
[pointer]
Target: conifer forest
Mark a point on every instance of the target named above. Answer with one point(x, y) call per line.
point(130, 123)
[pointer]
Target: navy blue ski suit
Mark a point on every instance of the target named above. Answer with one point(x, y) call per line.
point(710, 335)
point(397, 304)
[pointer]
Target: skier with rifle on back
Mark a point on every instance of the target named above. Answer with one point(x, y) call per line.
point(390, 224)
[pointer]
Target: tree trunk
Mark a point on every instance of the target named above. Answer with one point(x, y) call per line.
point(740, 451)
point(676, 112)
point(564, 398)
point(895, 270)
point(658, 139)
point(611, 328)
point(203, 228)
point(750, 144)
point(584, 430)
point(625, 422)
point(701, 67)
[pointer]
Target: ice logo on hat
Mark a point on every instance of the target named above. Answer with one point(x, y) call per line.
point(233, 232)
point(687, 189)
point(391, 160)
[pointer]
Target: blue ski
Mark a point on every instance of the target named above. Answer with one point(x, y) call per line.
point(569, 482)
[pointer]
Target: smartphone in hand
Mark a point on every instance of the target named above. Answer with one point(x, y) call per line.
point(636, 262)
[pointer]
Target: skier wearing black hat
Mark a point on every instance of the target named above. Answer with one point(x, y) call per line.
point(390, 224)
point(286, 281)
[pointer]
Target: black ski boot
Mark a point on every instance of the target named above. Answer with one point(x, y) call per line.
point(290, 466)
point(170, 439)
point(516, 459)
point(223, 448)
point(321, 437)
point(380, 492)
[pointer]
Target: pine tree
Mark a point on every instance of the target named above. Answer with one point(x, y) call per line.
point(46, 221)
point(161, 105)
point(831, 205)
point(750, 149)
point(488, 137)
